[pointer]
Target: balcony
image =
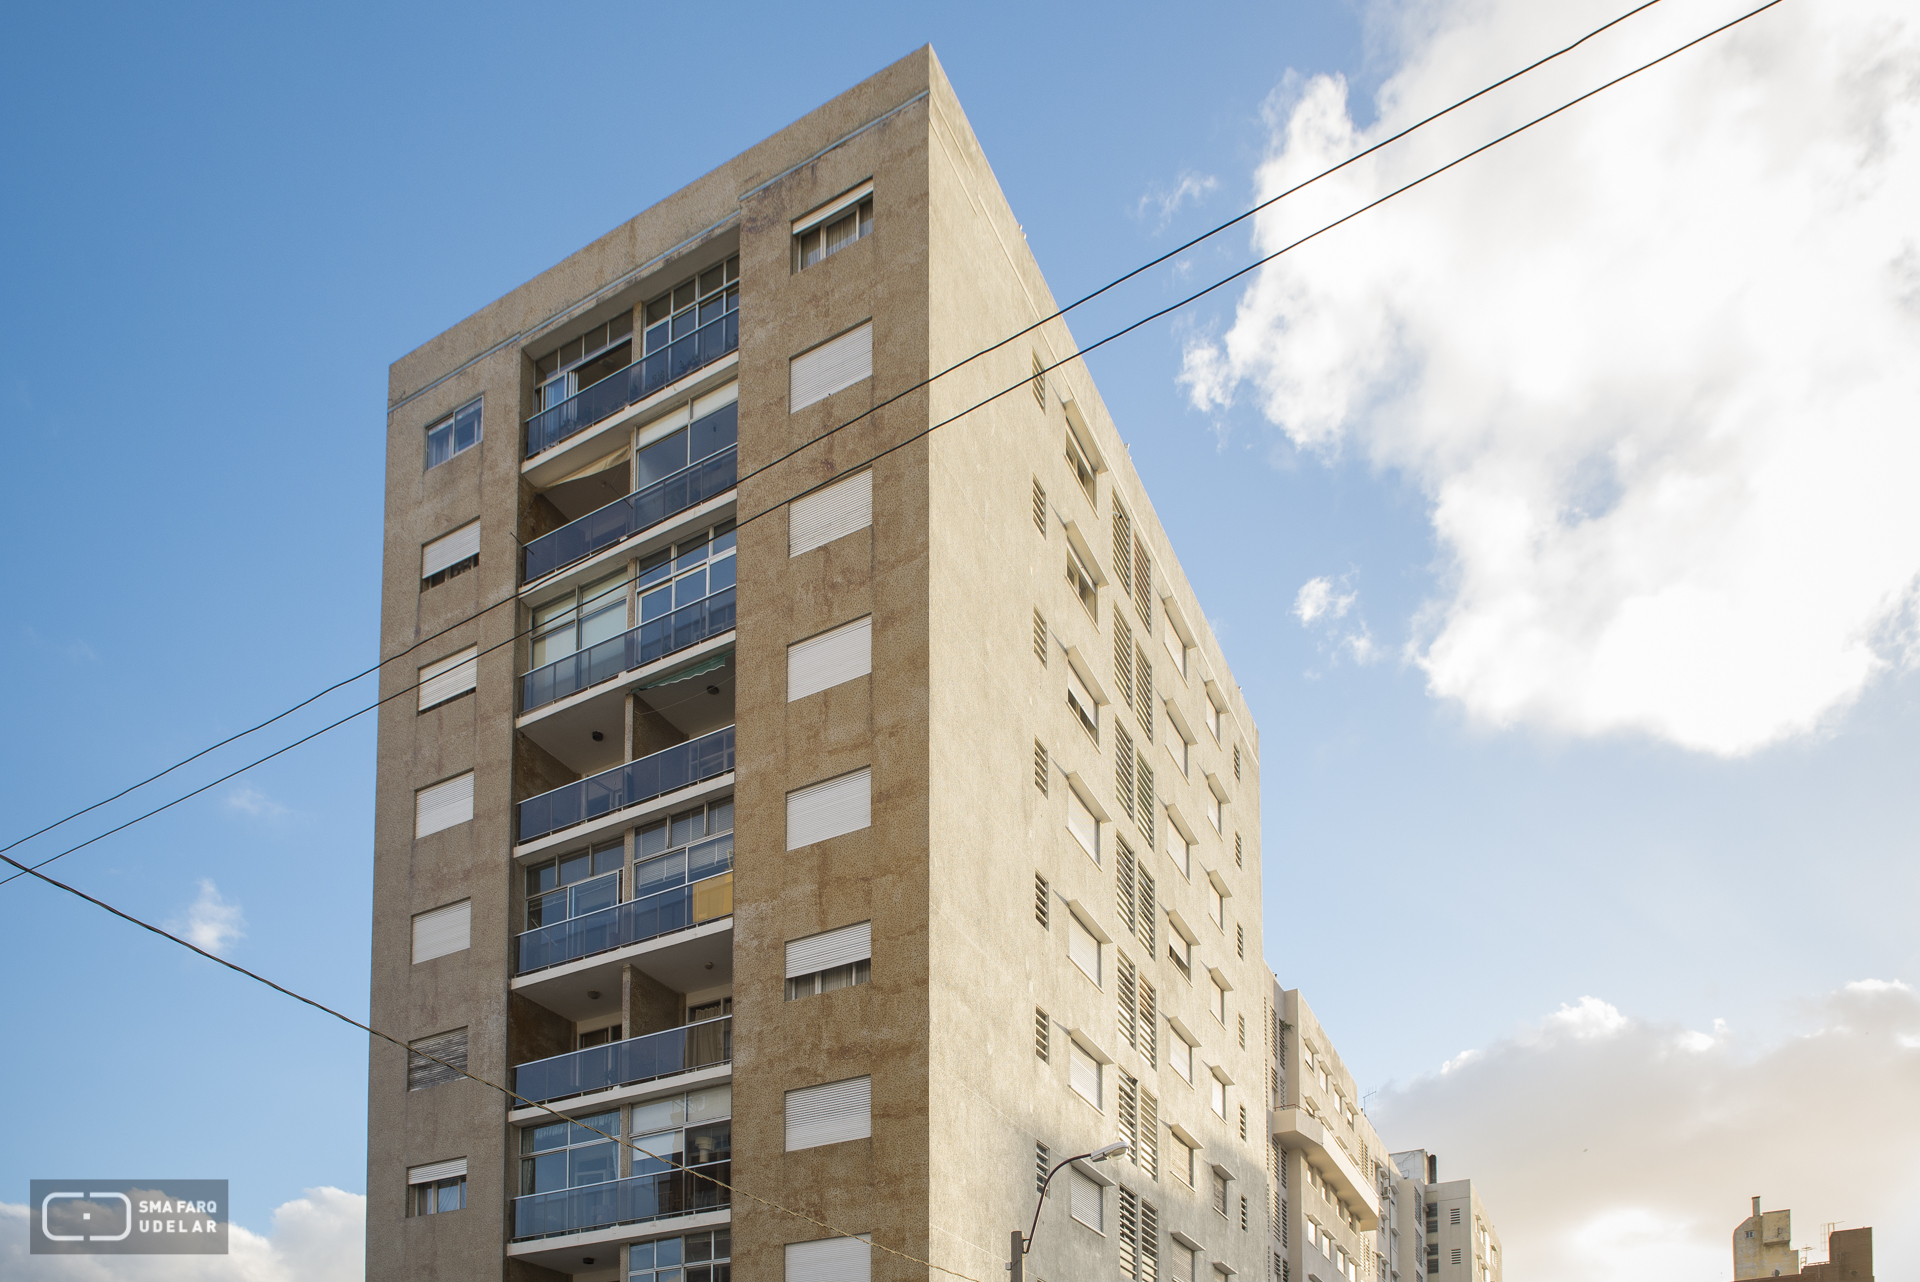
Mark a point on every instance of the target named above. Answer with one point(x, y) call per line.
point(669, 364)
point(623, 518)
point(638, 781)
point(634, 1200)
point(707, 896)
point(651, 641)
point(628, 1063)
point(1296, 1129)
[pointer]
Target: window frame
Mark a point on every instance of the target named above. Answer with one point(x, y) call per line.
point(858, 199)
point(451, 425)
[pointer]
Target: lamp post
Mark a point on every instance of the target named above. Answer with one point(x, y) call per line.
point(1016, 1267)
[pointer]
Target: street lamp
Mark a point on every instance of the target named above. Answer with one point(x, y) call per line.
point(1016, 1268)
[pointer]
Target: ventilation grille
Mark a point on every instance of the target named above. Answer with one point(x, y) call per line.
point(1042, 1038)
point(1039, 506)
point(1042, 902)
point(1040, 637)
point(1040, 771)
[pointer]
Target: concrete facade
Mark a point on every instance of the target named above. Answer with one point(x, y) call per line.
point(987, 1029)
point(1763, 1248)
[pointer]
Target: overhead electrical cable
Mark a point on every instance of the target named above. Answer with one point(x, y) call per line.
point(1086, 298)
point(1026, 381)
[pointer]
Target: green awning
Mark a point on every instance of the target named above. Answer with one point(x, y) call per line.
point(705, 665)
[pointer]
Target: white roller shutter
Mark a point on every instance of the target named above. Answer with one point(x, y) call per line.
point(1082, 823)
point(450, 549)
point(830, 1114)
point(1083, 947)
point(443, 805)
point(825, 515)
point(442, 931)
point(1083, 1073)
point(835, 364)
point(1086, 1200)
point(833, 1259)
point(821, 662)
point(451, 676)
point(433, 1172)
point(833, 948)
point(829, 809)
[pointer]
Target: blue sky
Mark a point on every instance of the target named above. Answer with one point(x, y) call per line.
point(227, 220)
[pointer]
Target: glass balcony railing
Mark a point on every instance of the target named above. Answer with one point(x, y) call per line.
point(628, 516)
point(629, 785)
point(628, 1063)
point(636, 382)
point(635, 648)
point(629, 1201)
point(633, 922)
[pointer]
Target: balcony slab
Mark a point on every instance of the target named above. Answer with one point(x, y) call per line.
point(560, 711)
point(568, 1254)
point(615, 820)
point(707, 512)
point(1297, 1130)
point(686, 961)
point(574, 453)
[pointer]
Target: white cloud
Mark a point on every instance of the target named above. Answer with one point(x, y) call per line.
point(1609, 1147)
point(320, 1237)
point(1165, 204)
point(249, 800)
point(1653, 364)
point(211, 922)
point(1316, 599)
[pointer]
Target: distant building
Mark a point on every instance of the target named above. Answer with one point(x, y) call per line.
point(1762, 1248)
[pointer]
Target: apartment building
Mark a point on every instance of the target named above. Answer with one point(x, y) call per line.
point(822, 788)
point(1462, 1244)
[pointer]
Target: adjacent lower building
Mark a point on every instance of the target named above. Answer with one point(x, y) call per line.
point(1763, 1248)
point(819, 784)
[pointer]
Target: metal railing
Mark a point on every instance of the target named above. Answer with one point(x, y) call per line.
point(638, 1059)
point(626, 517)
point(630, 1201)
point(629, 785)
point(633, 922)
point(634, 648)
point(636, 382)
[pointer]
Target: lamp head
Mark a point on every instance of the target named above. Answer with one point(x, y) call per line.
point(1116, 1149)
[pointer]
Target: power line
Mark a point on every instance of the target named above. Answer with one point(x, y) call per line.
point(369, 1029)
point(1024, 382)
point(1086, 298)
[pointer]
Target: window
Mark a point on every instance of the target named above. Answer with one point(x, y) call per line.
point(1219, 1193)
point(834, 1259)
point(571, 1154)
point(456, 434)
point(1083, 1073)
point(821, 235)
point(1039, 506)
point(437, 1187)
point(830, 809)
point(1180, 1056)
point(443, 931)
point(1040, 637)
point(1081, 580)
point(1040, 772)
point(1077, 464)
point(1042, 902)
point(1217, 1097)
point(449, 678)
point(1213, 809)
point(1216, 906)
point(1084, 706)
point(1143, 692)
point(830, 659)
point(1217, 1001)
point(1212, 711)
point(1087, 1200)
point(697, 1257)
point(581, 618)
point(831, 960)
point(833, 512)
point(444, 805)
point(1184, 1264)
point(1176, 648)
point(1180, 850)
point(1082, 823)
point(697, 569)
point(1180, 949)
point(1083, 947)
point(574, 885)
point(1182, 1157)
point(829, 1114)
point(1139, 1238)
point(1042, 1036)
point(710, 299)
point(686, 848)
point(581, 362)
point(833, 366)
point(436, 1060)
point(450, 555)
